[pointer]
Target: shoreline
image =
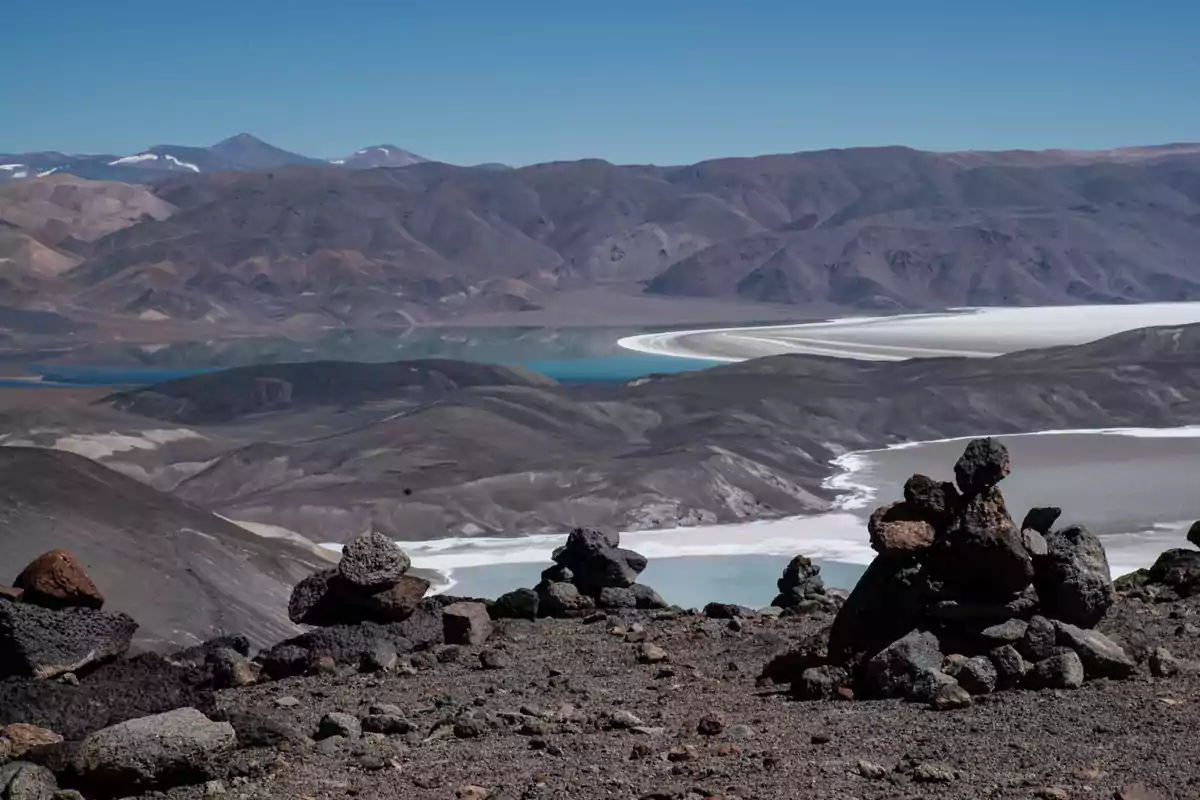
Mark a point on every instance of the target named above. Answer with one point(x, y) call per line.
point(978, 332)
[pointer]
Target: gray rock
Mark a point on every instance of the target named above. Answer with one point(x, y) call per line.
point(622, 720)
point(372, 561)
point(820, 683)
point(557, 573)
point(978, 675)
point(897, 529)
point(894, 671)
point(171, 749)
point(466, 623)
point(22, 781)
point(470, 728)
point(647, 598)
point(518, 604)
point(1073, 579)
point(926, 687)
point(1041, 519)
point(231, 669)
point(1039, 640)
point(1009, 632)
point(953, 664)
point(38, 642)
point(562, 600)
point(983, 464)
point(337, 723)
point(1178, 569)
point(1163, 664)
point(616, 597)
point(597, 562)
point(389, 722)
point(1063, 670)
point(327, 598)
point(949, 697)
point(380, 656)
point(493, 659)
point(801, 577)
point(1010, 667)
point(889, 600)
point(1101, 656)
point(1035, 543)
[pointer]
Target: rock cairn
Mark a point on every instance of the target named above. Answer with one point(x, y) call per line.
point(962, 601)
point(802, 589)
point(590, 571)
point(51, 622)
point(369, 584)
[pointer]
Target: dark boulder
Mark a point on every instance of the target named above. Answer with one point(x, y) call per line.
point(894, 671)
point(983, 464)
point(1178, 570)
point(326, 598)
point(39, 642)
point(1038, 641)
point(562, 600)
point(898, 529)
point(936, 502)
point(372, 561)
point(24, 781)
point(346, 645)
point(1101, 656)
point(1010, 667)
point(787, 667)
point(596, 561)
point(1073, 580)
point(1063, 670)
point(820, 683)
point(1041, 519)
point(982, 552)
point(1193, 534)
point(466, 623)
point(978, 675)
point(646, 597)
point(517, 604)
point(56, 580)
point(888, 601)
point(727, 611)
point(614, 597)
point(801, 576)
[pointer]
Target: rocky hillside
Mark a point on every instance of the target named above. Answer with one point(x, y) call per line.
point(874, 228)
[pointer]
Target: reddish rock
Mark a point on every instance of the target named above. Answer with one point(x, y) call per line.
point(56, 580)
point(466, 623)
point(22, 737)
point(896, 529)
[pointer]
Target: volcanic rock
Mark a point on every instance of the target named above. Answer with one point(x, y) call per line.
point(326, 598)
point(616, 597)
point(982, 550)
point(10, 593)
point(56, 580)
point(22, 781)
point(1073, 579)
point(42, 643)
point(1010, 667)
point(646, 597)
point(372, 561)
point(1101, 656)
point(898, 529)
point(562, 600)
point(157, 752)
point(1064, 670)
point(888, 601)
point(517, 604)
point(982, 465)
point(466, 623)
point(1039, 639)
point(978, 675)
point(936, 502)
point(596, 562)
point(820, 683)
point(1041, 519)
point(894, 671)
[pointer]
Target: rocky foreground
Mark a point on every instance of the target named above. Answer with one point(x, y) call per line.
point(585, 686)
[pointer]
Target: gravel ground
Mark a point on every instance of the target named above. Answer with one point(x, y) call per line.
point(548, 728)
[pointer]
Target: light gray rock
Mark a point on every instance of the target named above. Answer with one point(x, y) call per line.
point(22, 781)
point(929, 685)
point(978, 675)
point(156, 752)
point(1009, 632)
point(820, 683)
point(894, 670)
point(950, 697)
point(1060, 671)
point(372, 560)
point(1101, 656)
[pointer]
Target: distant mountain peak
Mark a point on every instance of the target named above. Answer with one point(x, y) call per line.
point(379, 155)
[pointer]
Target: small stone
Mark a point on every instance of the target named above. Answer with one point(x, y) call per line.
point(337, 723)
point(624, 720)
point(471, 792)
point(214, 789)
point(470, 728)
point(983, 464)
point(821, 737)
point(871, 771)
point(1041, 519)
point(736, 624)
point(1009, 632)
point(231, 669)
point(639, 751)
point(684, 753)
point(69, 678)
point(820, 683)
point(1010, 667)
point(711, 724)
point(932, 773)
point(493, 659)
point(1060, 671)
point(1038, 641)
point(635, 637)
point(950, 697)
point(532, 727)
point(1163, 664)
point(389, 723)
point(953, 664)
point(1101, 656)
point(287, 701)
point(323, 665)
point(1138, 791)
point(650, 653)
point(1052, 793)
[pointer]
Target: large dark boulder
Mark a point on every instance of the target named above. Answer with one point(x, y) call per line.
point(983, 464)
point(982, 552)
point(896, 670)
point(40, 642)
point(1177, 569)
point(372, 561)
point(1193, 534)
point(1101, 656)
point(936, 502)
point(57, 580)
point(1073, 579)
point(646, 597)
point(466, 623)
point(517, 604)
point(887, 602)
point(562, 600)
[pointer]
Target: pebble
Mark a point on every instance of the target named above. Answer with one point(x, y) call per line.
point(932, 773)
point(640, 750)
point(287, 701)
point(470, 728)
point(711, 724)
point(624, 720)
point(870, 770)
point(950, 697)
point(471, 792)
point(1163, 664)
point(649, 653)
point(493, 659)
point(338, 724)
point(821, 737)
point(684, 753)
point(1052, 793)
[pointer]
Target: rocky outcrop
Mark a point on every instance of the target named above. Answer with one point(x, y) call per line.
point(593, 571)
point(961, 601)
point(369, 584)
point(38, 642)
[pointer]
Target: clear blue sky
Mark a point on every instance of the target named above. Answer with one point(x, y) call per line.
point(662, 81)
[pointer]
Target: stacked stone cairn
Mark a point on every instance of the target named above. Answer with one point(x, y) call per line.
point(591, 571)
point(369, 584)
point(962, 601)
point(802, 589)
point(51, 623)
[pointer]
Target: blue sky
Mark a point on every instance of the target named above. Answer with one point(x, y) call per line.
point(659, 81)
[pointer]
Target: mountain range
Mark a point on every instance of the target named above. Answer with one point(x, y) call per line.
point(274, 238)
